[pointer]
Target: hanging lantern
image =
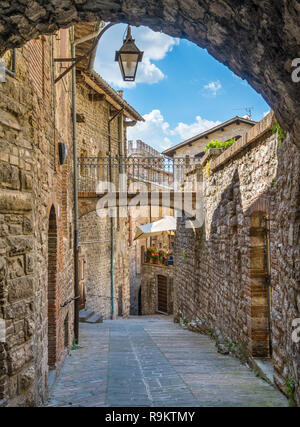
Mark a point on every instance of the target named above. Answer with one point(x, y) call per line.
point(129, 57)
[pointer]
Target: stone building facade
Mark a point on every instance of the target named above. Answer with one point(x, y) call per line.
point(97, 103)
point(154, 177)
point(193, 147)
point(237, 278)
point(37, 211)
point(157, 292)
point(36, 205)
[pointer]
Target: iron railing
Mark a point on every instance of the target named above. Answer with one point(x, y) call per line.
point(155, 172)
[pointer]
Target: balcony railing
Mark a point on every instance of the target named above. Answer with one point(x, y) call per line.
point(157, 172)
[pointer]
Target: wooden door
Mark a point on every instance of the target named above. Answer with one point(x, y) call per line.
point(162, 294)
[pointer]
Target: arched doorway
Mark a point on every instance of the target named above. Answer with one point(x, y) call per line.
point(52, 289)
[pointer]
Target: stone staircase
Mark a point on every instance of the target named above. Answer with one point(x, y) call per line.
point(88, 316)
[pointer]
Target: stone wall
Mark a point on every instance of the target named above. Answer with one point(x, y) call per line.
point(220, 270)
point(139, 247)
point(31, 182)
point(149, 282)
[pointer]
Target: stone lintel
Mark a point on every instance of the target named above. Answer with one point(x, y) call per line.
point(13, 201)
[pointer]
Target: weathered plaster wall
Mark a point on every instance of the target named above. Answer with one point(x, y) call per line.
point(220, 272)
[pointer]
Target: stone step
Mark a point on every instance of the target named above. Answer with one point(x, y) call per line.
point(95, 318)
point(84, 315)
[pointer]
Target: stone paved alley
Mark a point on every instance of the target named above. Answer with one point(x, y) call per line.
point(150, 361)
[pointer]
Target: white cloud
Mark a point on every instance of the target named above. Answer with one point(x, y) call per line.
point(212, 88)
point(155, 46)
point(200, 125)
point(158, 133)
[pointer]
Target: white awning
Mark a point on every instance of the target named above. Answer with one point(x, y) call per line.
point(165, 225)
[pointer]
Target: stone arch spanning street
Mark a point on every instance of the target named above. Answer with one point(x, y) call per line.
point(256, 40)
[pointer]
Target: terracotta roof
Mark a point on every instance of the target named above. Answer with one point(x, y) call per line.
point(83, 29)
point(113, 94)
point(170, 151)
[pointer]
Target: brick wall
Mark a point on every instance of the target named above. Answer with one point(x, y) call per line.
point(220, 270)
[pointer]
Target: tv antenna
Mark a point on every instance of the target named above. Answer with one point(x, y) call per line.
point(249, 111)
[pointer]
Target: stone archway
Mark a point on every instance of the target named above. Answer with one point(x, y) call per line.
point(52, 290)
point(257, 40)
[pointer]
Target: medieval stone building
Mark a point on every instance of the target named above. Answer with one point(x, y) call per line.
point(243, 266)
point(194, 146)
point(103, 116)
point(36, 215)
point(150, 171)
point(37, 209)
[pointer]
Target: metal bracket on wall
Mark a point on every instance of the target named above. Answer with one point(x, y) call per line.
point(81, 58)
point(4, 70)
point(69, 302)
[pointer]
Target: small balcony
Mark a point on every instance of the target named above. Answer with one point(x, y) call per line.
point(159, 257)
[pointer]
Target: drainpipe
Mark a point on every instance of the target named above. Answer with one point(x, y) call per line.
point(76, 245)
point(111, 219)
point(75, 165)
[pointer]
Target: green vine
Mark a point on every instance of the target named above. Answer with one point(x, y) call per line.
point(290, 389)
point(277, 129)
point(219, 144)
point(75, 346)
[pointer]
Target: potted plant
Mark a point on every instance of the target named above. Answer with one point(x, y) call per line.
point(155, 257)
point(150, 254)
point(162, 256)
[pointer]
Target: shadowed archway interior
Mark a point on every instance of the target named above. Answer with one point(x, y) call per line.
point(257, 40)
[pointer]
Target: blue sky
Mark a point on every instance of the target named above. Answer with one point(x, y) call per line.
point(180, 89)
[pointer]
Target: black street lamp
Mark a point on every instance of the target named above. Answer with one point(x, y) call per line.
point(128, 58)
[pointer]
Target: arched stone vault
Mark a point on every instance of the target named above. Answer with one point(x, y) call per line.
point(257, 39)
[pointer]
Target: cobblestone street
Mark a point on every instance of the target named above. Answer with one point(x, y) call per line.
point(150, 361)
